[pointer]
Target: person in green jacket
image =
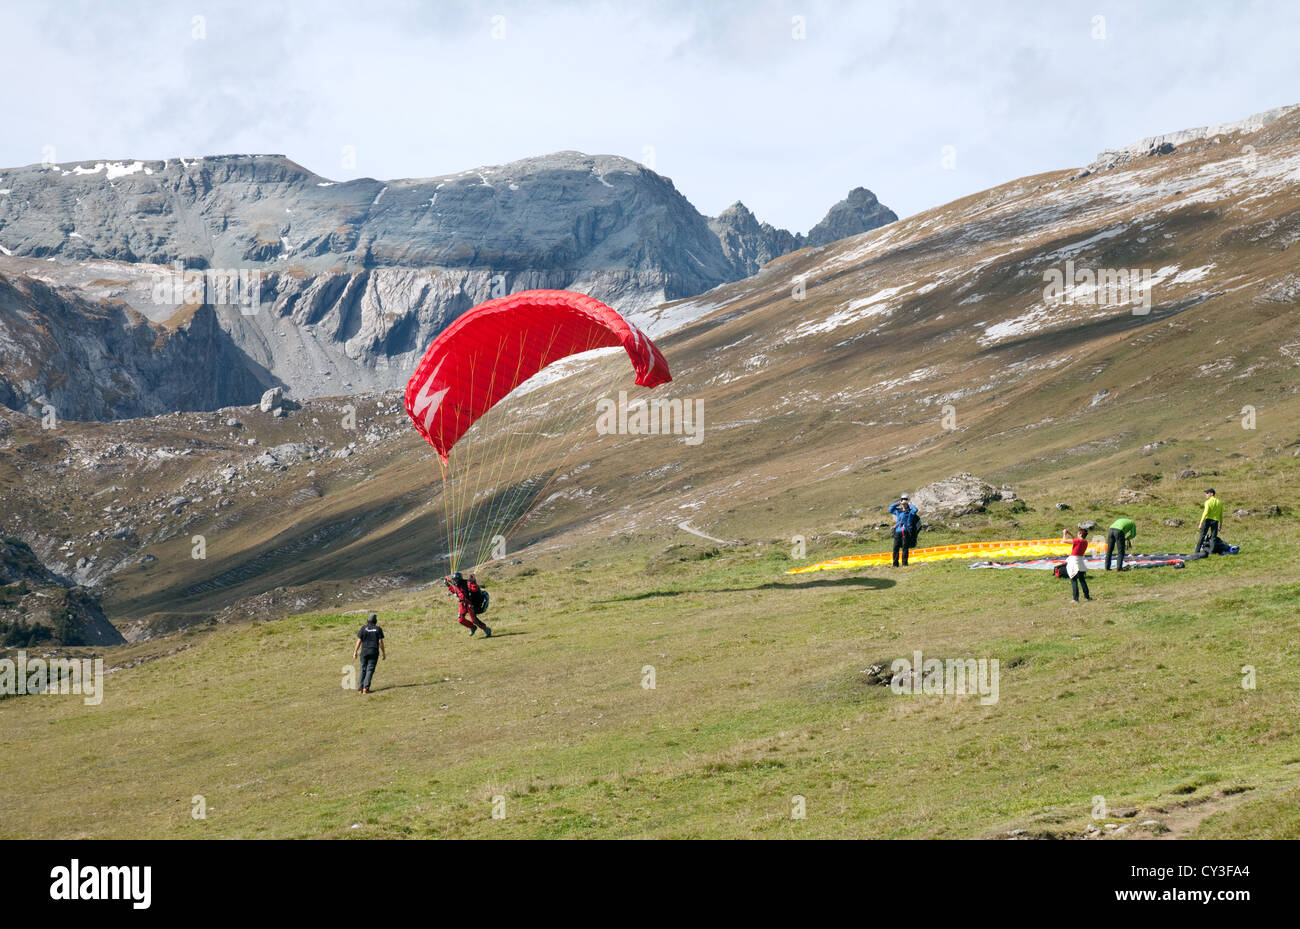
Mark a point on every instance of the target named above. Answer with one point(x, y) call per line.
point(1122, 531)
point(1211, 519)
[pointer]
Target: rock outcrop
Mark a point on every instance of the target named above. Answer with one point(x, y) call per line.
point(1170, 142)
point(71, 358)
point(39, 607)
point(955, 496)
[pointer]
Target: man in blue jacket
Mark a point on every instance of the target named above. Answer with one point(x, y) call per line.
point(905, 516)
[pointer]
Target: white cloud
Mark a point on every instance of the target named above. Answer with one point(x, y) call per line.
point(733, 106)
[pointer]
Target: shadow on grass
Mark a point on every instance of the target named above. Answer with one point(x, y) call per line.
point(849, 583)
point(379, 690)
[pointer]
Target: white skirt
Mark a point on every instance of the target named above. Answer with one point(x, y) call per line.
point(1074, 566)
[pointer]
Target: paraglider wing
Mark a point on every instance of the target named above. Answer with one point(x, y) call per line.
point(496, 346)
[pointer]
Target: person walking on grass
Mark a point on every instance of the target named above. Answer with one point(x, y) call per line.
point(1075, 566)
point(904, 516)
point(369, 647)
point(1121, 532)
point(1211, 519)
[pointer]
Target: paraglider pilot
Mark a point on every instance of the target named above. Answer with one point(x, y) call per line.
point(467, 593)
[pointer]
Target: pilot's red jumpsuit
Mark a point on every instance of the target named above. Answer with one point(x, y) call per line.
point(467, 618)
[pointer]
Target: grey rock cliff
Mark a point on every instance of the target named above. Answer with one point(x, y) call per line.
point(103, 360)
point(353, 279)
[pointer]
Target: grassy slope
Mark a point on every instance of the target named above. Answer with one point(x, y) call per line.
point(1136, 698)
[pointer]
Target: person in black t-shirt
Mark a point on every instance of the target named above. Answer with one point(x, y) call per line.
point(370, 645)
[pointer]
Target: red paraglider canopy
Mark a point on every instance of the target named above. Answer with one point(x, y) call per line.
point(496, 346)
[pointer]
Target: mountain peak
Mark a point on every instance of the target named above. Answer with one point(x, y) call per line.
point(858, 212)
point(736, 209)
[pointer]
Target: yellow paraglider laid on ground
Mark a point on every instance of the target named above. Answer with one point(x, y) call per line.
point(1022, 548)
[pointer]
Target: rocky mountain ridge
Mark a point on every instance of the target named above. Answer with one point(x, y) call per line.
point(340, 286)
point(749, 244)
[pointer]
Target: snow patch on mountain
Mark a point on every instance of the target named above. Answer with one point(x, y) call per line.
point(855, 311)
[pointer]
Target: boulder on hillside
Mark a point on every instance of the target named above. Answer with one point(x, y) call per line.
point(1271, 509)
point(292, 450)
point(956, 496)
point(1127, 495)
point(268, 461)
point(271, 399)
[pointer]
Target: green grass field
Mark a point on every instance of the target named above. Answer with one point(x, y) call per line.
point(759, 698)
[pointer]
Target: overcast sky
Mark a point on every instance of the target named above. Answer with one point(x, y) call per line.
point(784, 105)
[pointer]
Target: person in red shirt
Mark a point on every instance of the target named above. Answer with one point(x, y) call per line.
point(462, 590)
point(1074, 565)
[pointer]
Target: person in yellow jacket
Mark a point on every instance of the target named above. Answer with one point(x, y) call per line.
point(1211, 519)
